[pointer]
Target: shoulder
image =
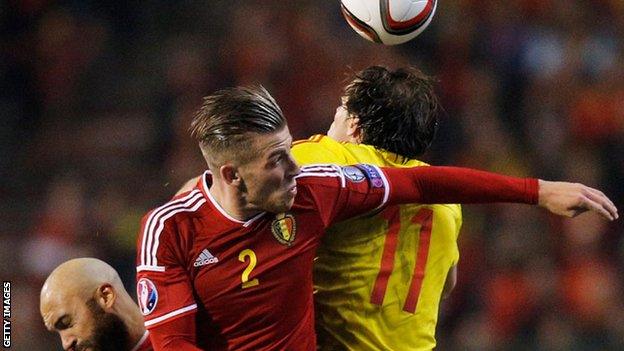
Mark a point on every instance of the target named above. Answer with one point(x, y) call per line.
point(313, 140)
point(161, 227)
point(317, 140)
point(173, 212)
point(318, 149)
point(415, 163)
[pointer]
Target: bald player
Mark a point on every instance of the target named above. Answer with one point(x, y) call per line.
point(85, 301)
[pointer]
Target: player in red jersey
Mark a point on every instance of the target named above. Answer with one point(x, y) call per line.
point(228, 265)
point(85, 301)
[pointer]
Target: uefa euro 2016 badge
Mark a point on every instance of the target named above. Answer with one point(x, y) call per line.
point(353, 173)
point(284, 228)
point(148, 296)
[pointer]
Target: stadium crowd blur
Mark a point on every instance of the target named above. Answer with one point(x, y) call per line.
point(96, 99)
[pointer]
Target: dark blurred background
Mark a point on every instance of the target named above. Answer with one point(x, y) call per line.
point(96, 99)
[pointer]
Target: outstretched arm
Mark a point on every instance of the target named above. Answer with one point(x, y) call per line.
point(463, 185)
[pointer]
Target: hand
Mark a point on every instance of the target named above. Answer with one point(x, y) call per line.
point(572, 199)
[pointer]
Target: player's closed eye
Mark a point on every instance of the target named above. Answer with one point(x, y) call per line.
point(63, 323)
point(277, 159)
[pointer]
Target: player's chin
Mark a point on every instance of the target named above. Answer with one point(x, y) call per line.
point(285, 204)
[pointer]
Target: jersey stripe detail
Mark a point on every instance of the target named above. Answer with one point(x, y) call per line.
point(171, 315)
point(323, 170)
point(143, 268)
point(321, 167)
point(317, 138)
point(148, 234)
point(161, 226)
point(313, 139)
point(156, 212)
point(154, 219)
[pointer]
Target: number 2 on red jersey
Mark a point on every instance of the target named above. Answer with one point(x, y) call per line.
point(424, 217)
point(245, 282)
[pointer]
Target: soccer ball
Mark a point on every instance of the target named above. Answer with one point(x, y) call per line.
point(389, 22)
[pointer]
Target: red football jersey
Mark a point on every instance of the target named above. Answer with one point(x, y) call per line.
point(249, 283)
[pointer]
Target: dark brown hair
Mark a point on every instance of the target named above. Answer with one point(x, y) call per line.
point(397, 110)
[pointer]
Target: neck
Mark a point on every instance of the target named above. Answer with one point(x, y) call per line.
point(133, 319)
point(355, 139)
point(232, 201)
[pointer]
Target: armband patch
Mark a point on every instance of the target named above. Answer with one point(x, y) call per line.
point(373, 175)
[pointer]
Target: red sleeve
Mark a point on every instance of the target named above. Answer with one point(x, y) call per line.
point(164, 290)
point(431, 185)
point(178, 335)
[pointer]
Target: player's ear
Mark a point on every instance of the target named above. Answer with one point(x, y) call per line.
point(230, 174)
point(105, 297)
point(353, 129)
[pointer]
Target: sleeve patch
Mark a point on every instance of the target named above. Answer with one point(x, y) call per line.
point(147, 296)
point(354, 174)
point(373, 175)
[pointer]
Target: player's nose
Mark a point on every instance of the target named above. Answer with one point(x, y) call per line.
point(69, 342)
point(294, 168)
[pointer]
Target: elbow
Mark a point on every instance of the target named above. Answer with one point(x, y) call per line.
point(451, 281)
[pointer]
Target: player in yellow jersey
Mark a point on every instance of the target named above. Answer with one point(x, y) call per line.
point(380, 281)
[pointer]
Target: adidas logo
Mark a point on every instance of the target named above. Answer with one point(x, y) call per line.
point(204, 258)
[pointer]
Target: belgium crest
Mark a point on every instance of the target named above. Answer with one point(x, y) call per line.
point(284, 228)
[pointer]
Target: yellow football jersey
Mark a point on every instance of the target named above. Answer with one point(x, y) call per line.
point(379, 279)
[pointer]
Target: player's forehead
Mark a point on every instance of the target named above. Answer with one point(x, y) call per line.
point(56, 309)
